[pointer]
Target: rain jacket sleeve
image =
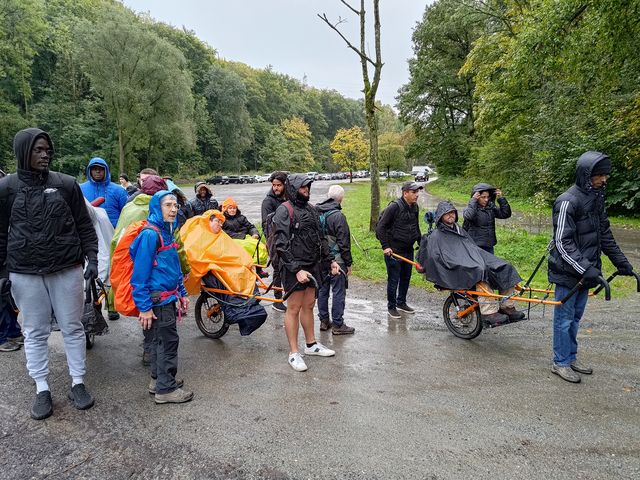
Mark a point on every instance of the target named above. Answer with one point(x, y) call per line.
point(249, 227)
point(503, 209)
point(84, 226)
point(608, 244)
point(565, 235)
point(340, 228)
point(143, 251)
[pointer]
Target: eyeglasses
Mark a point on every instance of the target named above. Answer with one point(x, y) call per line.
point(170, 206)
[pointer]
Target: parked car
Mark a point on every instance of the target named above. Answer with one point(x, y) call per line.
point(422, 177)
point(262, 178)
point(246, 179)
point(215, 180)
point(233, 179)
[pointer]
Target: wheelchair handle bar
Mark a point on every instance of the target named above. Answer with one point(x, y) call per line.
point(603, 284)
point(614, 275)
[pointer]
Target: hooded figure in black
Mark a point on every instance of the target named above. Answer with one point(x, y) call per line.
point(302, 251)
point(452, 260)
point(481, 213)
point(581, 234)
point(46, 234)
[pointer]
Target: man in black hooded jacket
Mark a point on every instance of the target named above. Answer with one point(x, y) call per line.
point(45, 236)
point(481, 213)
point(581, 232)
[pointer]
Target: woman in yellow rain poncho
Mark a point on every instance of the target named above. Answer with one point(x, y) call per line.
point(211, 250)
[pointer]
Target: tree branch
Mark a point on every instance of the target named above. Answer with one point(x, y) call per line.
point(360, 53)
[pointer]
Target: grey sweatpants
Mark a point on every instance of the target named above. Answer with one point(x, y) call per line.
point(36, 297)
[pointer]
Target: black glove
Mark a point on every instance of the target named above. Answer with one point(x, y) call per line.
point(91, 272)
point(591, 273)
point(625, 269)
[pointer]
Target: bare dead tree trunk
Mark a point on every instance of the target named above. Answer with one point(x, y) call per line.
point(370, 90)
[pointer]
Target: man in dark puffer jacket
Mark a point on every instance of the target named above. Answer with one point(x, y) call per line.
point(581, 232)
point(45, 235)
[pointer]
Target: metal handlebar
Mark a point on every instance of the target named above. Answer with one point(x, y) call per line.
point(603, 284)
point(311, 280)
point(614, 275)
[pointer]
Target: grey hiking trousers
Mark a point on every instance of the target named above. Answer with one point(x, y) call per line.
point(36, 297)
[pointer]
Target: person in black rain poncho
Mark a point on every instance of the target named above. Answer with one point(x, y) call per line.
point(452, 260)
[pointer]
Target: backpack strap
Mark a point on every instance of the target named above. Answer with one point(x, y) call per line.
point(290, 210)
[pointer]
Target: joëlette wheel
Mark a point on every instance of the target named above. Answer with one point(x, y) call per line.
point(469, 326)
point(210, 317)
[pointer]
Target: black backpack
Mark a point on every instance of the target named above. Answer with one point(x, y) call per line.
point(396, 201)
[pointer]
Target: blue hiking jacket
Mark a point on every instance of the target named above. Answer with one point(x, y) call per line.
point(153, 270)
point(114, 195)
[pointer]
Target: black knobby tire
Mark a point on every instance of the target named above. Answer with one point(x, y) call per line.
point(91, 339)
point(210, 320)
point(467, 327)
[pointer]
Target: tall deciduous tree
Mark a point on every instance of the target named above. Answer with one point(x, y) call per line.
point(349, 149)
point(227, 104)
point(288, 147)
point(438, 100)
point(140, 76)
point(370, 90)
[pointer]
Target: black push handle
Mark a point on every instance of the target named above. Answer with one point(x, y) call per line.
point(311, 280)
point(614, 275)
point(605, 284)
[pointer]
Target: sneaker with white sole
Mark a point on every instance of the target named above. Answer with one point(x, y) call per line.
point(319, 349)
point(297, 362)
point(406, 309)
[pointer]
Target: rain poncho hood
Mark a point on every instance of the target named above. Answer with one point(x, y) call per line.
point(217, 253)
point(452, 260)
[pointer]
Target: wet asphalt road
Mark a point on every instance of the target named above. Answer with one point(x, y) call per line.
point(401, 399)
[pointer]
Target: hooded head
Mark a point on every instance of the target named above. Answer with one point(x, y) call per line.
point(229, 202)
point(589, 164)
point(445, 207)
point(485, 187)
point(216, 227)
point(294, 183)
point(156, 216)
point(101, 163)
point(199, 185)
point(152, 184)
point(23, 146)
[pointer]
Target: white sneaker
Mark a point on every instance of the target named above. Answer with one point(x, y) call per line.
point(297, 363)
point(319, 349)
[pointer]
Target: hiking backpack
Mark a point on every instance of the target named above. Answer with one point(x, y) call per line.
point(331, 239)
point(122, 267)
point(270, 233)
point(396, 201)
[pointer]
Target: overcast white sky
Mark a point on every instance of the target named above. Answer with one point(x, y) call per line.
point(288, 35)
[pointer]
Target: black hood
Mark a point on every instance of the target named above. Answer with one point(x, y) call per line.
point(23, 144)
point(327, 205)
point(584, 167)
point(485, 187)
point(444, 207)
point(294, 182)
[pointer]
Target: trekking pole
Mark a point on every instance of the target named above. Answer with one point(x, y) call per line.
point(400, 257)
point(365, 251)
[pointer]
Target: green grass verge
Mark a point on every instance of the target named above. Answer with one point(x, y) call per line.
point(516, 245)
point(458, 190)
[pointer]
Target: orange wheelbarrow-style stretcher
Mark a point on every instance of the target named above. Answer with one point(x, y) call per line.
point(461, 310)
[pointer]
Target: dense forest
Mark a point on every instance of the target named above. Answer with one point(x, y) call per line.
point(513, 91)
point(107, 82)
